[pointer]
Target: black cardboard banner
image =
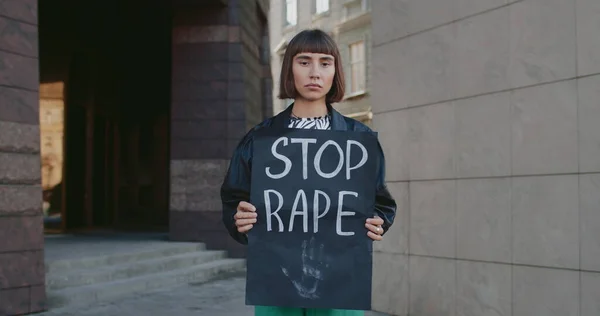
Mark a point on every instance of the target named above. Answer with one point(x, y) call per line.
point(313, 191)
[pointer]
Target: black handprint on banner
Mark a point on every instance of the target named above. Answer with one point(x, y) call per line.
point(307, 281)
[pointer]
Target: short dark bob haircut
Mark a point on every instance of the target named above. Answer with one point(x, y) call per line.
point(311, 41)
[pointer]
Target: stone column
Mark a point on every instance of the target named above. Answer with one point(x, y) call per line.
point(22, 277)
point(208, 119)
point(217, 96)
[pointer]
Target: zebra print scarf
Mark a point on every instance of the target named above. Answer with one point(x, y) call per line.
point(323, 122)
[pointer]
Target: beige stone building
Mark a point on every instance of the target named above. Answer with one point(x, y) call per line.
point(488, 112)
point(349, 22)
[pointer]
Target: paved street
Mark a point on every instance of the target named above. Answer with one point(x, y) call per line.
point(218, 298)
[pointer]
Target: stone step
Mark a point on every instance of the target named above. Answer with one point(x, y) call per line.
point(112, 272)
point(59, 266)
point(107, 291)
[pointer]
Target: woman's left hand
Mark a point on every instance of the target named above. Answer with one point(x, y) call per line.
point(374, 227)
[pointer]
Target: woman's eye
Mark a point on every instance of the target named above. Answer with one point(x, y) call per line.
point(326, 64)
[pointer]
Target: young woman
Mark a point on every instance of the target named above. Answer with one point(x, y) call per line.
point(312, 75)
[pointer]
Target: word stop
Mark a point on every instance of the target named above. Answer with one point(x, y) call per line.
point(304, 142)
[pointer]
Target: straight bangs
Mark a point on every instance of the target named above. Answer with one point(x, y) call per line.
point(312, 42)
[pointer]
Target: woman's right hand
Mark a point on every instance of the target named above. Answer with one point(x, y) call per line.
point(245, 217)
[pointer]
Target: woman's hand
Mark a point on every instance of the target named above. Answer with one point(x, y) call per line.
point(374, 227)
point(245, 217)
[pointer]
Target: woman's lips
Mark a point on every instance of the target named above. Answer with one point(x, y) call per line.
point(313, 86)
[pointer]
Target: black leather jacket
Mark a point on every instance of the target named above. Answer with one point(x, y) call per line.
point(236, 186)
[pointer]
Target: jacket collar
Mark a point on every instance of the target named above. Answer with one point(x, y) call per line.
point(338, 123)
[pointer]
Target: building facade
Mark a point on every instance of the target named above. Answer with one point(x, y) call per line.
point(112, 117)
point(488, 114)
point(349, 23)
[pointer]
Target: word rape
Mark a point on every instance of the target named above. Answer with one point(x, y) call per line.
point(301, 196)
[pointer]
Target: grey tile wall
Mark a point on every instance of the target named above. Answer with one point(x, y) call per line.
point(488, 114)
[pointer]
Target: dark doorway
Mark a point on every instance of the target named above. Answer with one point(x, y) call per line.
point(105, 69)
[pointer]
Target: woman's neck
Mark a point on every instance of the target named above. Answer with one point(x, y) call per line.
point(304, 108)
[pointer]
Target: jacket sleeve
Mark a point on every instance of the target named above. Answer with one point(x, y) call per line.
point(236, 186)
point(385, 205)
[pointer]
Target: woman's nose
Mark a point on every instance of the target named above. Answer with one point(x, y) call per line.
point(314, 72)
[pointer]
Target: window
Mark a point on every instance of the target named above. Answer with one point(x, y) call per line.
point(357, 67)
point(322, 6)
point(355, 7)
point(291, 14)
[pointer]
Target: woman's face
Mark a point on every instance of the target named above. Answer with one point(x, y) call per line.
point(313, 75)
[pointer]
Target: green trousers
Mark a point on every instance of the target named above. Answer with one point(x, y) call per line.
point(286, 311)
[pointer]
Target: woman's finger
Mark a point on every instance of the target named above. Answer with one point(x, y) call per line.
point(242, 214)
point(244, 229)
point(375, 221)
point(244, 222)
point(245, 206)
point(374, 236)
point(375, 229)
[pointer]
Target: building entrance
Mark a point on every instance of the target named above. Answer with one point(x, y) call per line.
point(105, 69)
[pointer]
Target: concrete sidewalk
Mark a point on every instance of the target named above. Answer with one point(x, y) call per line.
point(218, 298)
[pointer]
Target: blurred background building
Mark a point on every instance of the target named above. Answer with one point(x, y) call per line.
point(349, 23)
